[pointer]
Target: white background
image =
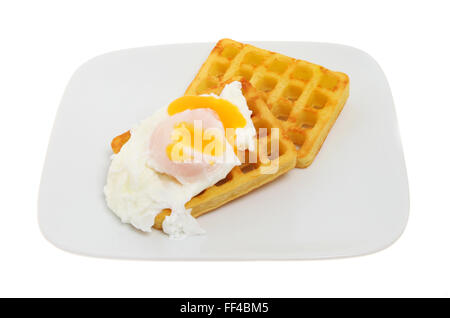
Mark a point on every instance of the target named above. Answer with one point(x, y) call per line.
point(43, 42)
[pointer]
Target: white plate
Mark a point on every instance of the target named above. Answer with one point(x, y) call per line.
point(352, 200)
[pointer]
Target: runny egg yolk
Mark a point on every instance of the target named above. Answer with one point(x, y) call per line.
point(184, 133)
point(228, 113)
point(183, 136)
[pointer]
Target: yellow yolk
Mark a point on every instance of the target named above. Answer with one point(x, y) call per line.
point(184, 135)
point(229, 114)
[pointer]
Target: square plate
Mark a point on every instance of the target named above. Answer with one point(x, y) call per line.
point(352, 200)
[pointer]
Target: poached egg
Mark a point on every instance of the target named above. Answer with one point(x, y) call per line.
point(175, 154)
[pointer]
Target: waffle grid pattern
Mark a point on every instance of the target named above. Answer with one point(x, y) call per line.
point(304, 99)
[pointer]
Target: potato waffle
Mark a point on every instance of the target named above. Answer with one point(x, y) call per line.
point(305, 99)
point(248, 176)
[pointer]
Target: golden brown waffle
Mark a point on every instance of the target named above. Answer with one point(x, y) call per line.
point(248, 176)
point(305, 99)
